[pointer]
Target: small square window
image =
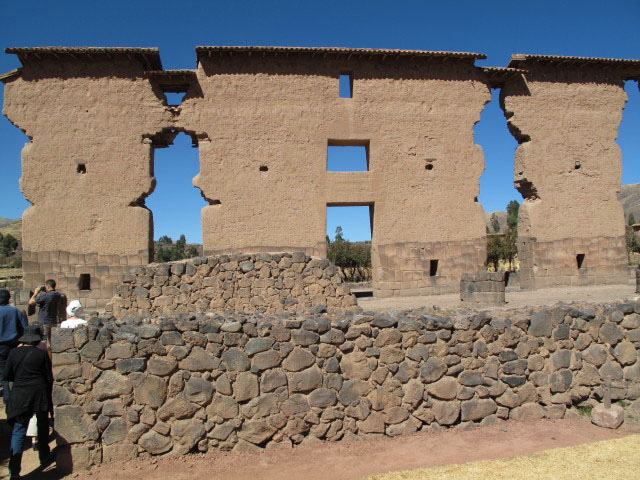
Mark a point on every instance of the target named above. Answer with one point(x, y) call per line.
point(346, 85)
point(348, 155)
point(84, 282)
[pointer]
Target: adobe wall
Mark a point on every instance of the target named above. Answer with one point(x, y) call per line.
point(280, 112)
point(248, 382)
point(92, 112)
point(568, 168)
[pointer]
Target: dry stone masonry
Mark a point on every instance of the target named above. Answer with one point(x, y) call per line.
point(246, 382)
point(266, 117)
point(482, 288)
point(262, 283)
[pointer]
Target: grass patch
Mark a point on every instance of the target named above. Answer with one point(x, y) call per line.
point(611, 459)
point(586, 411)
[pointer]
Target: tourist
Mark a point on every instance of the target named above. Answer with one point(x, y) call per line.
point(12, 324)
point(49, 302)
point(74, 310)
point(29, 368)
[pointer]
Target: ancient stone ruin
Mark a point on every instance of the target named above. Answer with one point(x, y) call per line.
point(252, 381)
point(263, 119)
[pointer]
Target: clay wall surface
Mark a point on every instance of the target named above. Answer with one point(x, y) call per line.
point(248, 382)
point(92, 112)
point(282, 112)
point(568, 168)
point(262, 283)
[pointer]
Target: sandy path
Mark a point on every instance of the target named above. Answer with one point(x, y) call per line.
point(515, 298)
point(354, 460)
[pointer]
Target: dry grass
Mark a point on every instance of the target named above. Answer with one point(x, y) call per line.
point(617, 459)
point(10, 272)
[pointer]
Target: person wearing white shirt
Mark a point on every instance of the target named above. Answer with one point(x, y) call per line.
point(74, 310)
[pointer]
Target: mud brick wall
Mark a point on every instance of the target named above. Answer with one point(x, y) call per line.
point(252, 381)
point(483, 288)
point(263, 283)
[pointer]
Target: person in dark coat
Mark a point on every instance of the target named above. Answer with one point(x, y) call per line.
point(12, 324)
point(29, 368)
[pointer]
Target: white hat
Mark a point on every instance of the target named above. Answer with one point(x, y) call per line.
point(74, 308)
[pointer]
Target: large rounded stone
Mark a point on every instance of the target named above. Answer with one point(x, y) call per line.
point(444, 389)
point(446, 413)
point(625, 353)
point(595, 354)
point(432, 370)
point(152, 392)
point(111, 384)
point(186, 434)
point(475, 410)
point(223, 406)
point(306, 380)
point(154, 443)
point(352, 390)
point(115, 432)
point(199, 361)
point(245, 387)
point(198, 390)
point(256, 432)
point(611, 333)
point(161, 366)
point(236, 360)
point(298, 359)
point(560, 381)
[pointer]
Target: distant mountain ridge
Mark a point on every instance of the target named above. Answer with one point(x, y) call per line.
point(7, 221)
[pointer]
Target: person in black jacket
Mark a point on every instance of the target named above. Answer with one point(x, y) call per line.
point(12, 323)
point(29, 368)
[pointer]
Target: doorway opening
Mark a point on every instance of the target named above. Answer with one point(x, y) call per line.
point(349, 233)
point(175, 203)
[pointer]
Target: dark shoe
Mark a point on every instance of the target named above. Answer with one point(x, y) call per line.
point(34, 445)
point(48, 460)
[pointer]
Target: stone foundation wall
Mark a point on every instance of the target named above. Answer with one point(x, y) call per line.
point(263, 283)
point(248, 382)
point(417, 268)
point(104, 271)
point(549, 264)
point(483, 288)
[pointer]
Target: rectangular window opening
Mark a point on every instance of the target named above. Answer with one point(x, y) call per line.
point(346, 85)
point(433, 268)
point(84, 282)
point(580, 260)
point(348, 156)
point(174, 98)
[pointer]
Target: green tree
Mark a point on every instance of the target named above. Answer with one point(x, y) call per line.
point(353, 259)
point(495, 223)
point(513, 208)
point(494, 251)
point(165, 239)
point(632, 219)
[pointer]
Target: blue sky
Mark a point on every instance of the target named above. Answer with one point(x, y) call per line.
point(497, 29)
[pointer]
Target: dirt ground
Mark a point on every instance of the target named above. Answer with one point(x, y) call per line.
point(355, 460)
point(515, 298)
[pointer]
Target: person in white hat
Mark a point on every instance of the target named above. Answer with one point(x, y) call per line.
point(74, 310)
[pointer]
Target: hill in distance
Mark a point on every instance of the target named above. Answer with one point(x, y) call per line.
point(7, 221)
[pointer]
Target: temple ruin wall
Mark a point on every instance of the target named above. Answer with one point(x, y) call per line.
point(263, 118)
point(568, 168)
